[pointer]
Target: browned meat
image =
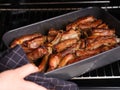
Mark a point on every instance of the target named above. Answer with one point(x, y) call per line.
point(100, 41)
point(96, 23)
point(56, 40)
point(90, 25)
point(53, 32)
point(35, 42)
point(103, 32)
point(64, 44)
point(24, 38)
point(70, 34)
point(54, 61)
point(50, 38)
point(82, 44)
point(87, 52)
point(103, 26)
point(43, 65)
point(65, 60)
point(71, 49)
point(80, 21)
point(37, 53)
point(83, 54)
point(90, 39)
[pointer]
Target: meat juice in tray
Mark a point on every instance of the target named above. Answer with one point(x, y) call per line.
point(81, 44)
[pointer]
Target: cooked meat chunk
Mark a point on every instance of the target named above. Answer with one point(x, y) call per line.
point(90, 25)
point(65, 44)
point(37, 53)
point(35, 42)
point(104, 26)
point(100, 41)
point(103, 32)
point(70, 34)
point(65, 60)
point(54, 61)
point(83, 20)
point(24, 38)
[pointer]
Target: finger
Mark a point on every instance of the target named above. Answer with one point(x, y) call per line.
point(32, 86)
point(25, 70)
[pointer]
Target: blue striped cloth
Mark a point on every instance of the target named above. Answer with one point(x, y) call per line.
point(13, 58)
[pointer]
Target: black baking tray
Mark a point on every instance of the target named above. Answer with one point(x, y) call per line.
point(59, 22)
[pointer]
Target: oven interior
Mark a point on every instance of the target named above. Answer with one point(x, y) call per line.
point(14, 14)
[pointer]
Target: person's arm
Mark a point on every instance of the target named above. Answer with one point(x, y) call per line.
point(14, 79)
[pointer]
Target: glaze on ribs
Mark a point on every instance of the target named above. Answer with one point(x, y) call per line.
point(83, 38)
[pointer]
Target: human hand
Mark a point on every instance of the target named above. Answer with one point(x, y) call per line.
point(14, 79)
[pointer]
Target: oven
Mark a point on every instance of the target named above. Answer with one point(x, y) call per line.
point(14, 14)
